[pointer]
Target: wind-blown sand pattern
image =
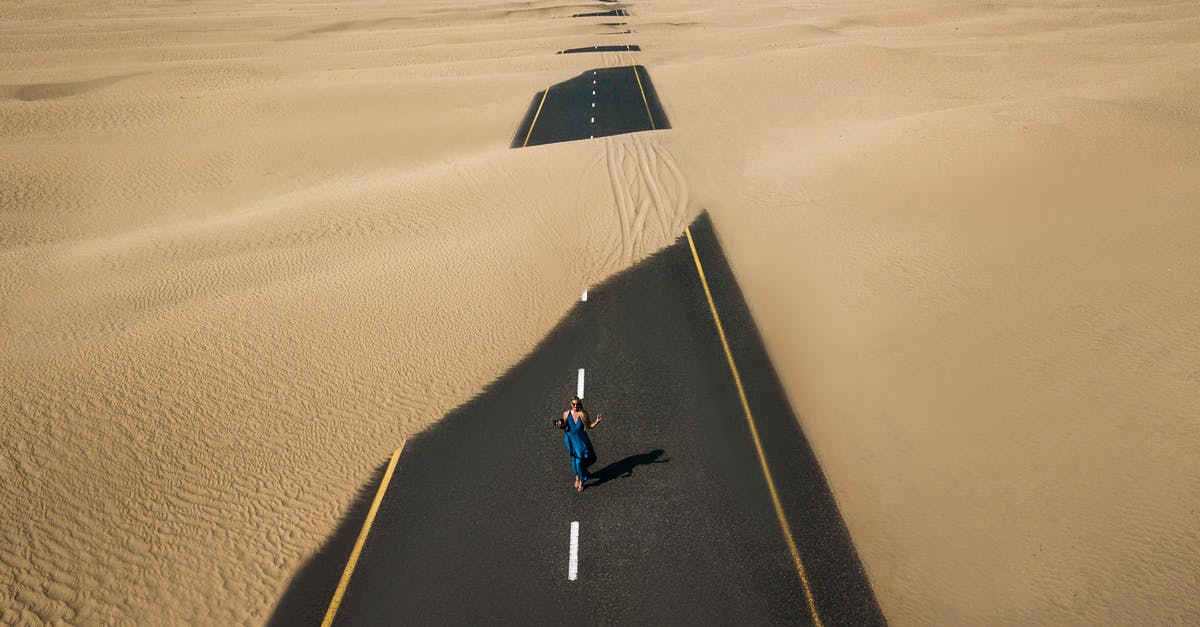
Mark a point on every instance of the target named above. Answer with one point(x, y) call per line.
point(246, 248)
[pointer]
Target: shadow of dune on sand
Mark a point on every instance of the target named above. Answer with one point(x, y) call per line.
point(624, 468)
point(53, 91)
point(348, 26)
point(310, 591)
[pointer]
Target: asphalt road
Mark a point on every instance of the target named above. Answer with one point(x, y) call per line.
point(617, 48)
point(613, 13)
point(597, 103)
point(678, 527)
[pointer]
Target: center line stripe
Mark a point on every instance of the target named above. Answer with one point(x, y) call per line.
point(762, 459)
point(573, 560)
point(579, 385)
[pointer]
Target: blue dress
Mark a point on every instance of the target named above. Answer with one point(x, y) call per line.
point(579, 446)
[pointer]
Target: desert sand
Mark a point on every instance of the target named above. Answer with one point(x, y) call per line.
point(247, 248)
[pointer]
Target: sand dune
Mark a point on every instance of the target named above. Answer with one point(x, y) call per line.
point(974, 267)
point(247, 248)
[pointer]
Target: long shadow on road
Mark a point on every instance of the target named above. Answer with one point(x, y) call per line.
point(625, 467)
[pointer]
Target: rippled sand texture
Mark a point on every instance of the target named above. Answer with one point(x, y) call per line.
point(246, 248)
point(249, 247)
point(968, 232)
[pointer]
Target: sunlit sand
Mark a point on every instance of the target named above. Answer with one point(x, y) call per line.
point(248, 248)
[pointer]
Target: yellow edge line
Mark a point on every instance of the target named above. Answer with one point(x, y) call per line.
point(535, 117)
point(644, 101)
point(362, 539)
point(783, 523)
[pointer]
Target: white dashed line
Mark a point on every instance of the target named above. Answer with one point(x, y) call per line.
point(593, 120)
point(579, 385)
point(573, 560)
point(584, 299)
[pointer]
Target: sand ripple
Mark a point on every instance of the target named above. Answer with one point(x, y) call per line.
point(247, 248)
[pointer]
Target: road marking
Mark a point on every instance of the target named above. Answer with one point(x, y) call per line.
point(579, 385)
point(593, 91)
point(593, 120)
point(362, 539)
point(535, 117)
point(639, 81)
point(783, 522)
point(573, 560)
point(593, 105)
point(584, 296)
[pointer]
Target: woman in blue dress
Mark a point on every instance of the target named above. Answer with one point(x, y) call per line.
point(575, 422)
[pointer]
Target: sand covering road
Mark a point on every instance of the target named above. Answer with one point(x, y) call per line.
point(247, 247)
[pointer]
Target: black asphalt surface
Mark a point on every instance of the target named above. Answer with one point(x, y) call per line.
point(678, 526)
point(613, 13)
point(625, 101)
point(617, 48)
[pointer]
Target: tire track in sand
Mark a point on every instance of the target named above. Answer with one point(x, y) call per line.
point(648, 188)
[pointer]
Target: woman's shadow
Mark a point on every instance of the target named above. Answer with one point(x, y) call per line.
point(624, 467)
